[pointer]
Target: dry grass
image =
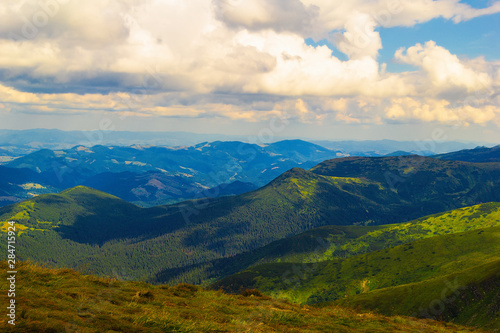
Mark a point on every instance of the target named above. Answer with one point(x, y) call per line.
point(64, 301)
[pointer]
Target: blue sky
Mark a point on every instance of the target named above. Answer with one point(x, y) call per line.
point(474, 38)
point(328, 69)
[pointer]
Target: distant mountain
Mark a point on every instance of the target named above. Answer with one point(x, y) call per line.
point(22, 142)
point(155, 175)
point(209, 163)
point(478, 155)
point(146, 189)
point(152, 188)
point(160, 175)
point(384, 147)
point(35, 139)
point(4, 152)
point(301, 151)
point(399, 153)
point(20, 184)
point(7, 156)
point(83, 226)
point(225, 189)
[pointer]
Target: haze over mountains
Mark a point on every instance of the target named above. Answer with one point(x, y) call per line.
point(152, 175)
point(21, 142)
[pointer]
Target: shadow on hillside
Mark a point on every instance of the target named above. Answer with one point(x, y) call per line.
point(112, 220)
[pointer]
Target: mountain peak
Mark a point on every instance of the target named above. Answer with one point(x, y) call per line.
point(80, 189)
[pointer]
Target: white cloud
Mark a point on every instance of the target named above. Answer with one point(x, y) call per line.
point(391, 13)
point(159, 54)
point(444, 69)
point(360, 38)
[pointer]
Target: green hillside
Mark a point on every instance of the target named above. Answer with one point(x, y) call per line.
point(419, 261)
point(50, 300)
point(89, 230)
point(83, 215)
point(469, 297)
point(336, 242)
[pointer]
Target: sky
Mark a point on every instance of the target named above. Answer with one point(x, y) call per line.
point(319, 69)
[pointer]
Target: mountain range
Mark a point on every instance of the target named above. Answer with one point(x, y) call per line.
point(361, 232)
point(22, 142)
point(479, 154)
point(150, 176)
point(348, 191)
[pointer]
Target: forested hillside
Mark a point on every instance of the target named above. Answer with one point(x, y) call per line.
point(99, 233)
point(404, 279)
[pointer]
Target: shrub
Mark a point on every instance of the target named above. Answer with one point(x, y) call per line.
point(251, 292)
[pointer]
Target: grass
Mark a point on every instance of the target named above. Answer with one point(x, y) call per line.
point(469, 297)
point(62, 300)
point(422, 261)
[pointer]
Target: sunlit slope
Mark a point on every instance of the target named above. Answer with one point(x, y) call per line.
point(336, 242)
point(64, 301)
point(473, 256)
point(83, 215)
point(469, 297)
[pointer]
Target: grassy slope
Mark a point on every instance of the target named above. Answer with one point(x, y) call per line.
point(62, 301)
point(335, 242)
point(469, 297)
point(105, 233)
point(419, 261)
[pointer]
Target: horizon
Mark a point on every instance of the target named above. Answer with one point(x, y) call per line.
point(249, 138)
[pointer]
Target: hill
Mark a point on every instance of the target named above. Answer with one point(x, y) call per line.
point(417, 270)
point(339, 242)
point(471, 297)
point(478, 154)
point(20, 184)
point(384, 147)
point(62, 300)
point(83, 231)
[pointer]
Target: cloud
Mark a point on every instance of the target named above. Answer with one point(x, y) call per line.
point(277, 15)
point(237, 59)
point(444, 69)
point(392, 13)
point(92, 23)
point(431, 110)
point(360, 38)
